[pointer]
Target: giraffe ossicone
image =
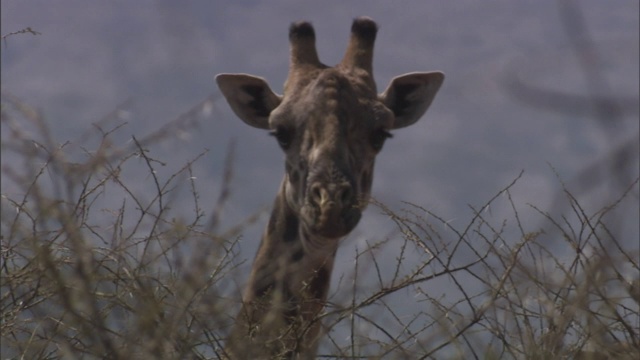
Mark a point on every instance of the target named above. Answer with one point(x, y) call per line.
point(330, 122)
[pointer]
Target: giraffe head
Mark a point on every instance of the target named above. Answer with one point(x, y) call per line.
point(330, 123)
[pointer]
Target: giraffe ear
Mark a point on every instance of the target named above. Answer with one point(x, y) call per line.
point(410, 95)
point(249, 97)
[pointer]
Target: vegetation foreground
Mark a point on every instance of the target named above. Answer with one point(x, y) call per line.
point(93, 266)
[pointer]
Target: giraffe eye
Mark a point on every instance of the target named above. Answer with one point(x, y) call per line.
point(283, 135)
point(378, 137)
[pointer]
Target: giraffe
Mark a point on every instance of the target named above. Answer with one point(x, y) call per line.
point(330, 123)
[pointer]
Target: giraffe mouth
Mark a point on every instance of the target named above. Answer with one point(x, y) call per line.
point(330, 221)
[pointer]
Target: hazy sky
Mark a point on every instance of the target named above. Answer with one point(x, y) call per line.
point(162, 55)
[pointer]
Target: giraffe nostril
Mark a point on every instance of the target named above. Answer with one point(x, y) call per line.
point(336, 195)
point(316, 193)
point(345, 195)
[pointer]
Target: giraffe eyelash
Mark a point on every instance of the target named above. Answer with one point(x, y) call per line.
point(378, 138)
point(283, 135)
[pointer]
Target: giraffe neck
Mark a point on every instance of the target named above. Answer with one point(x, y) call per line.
point(287, 288)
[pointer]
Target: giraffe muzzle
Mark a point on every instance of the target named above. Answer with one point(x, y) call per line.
point(332, 210)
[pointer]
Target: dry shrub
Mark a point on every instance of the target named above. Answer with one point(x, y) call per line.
point(94, 267)
point(569, 289)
